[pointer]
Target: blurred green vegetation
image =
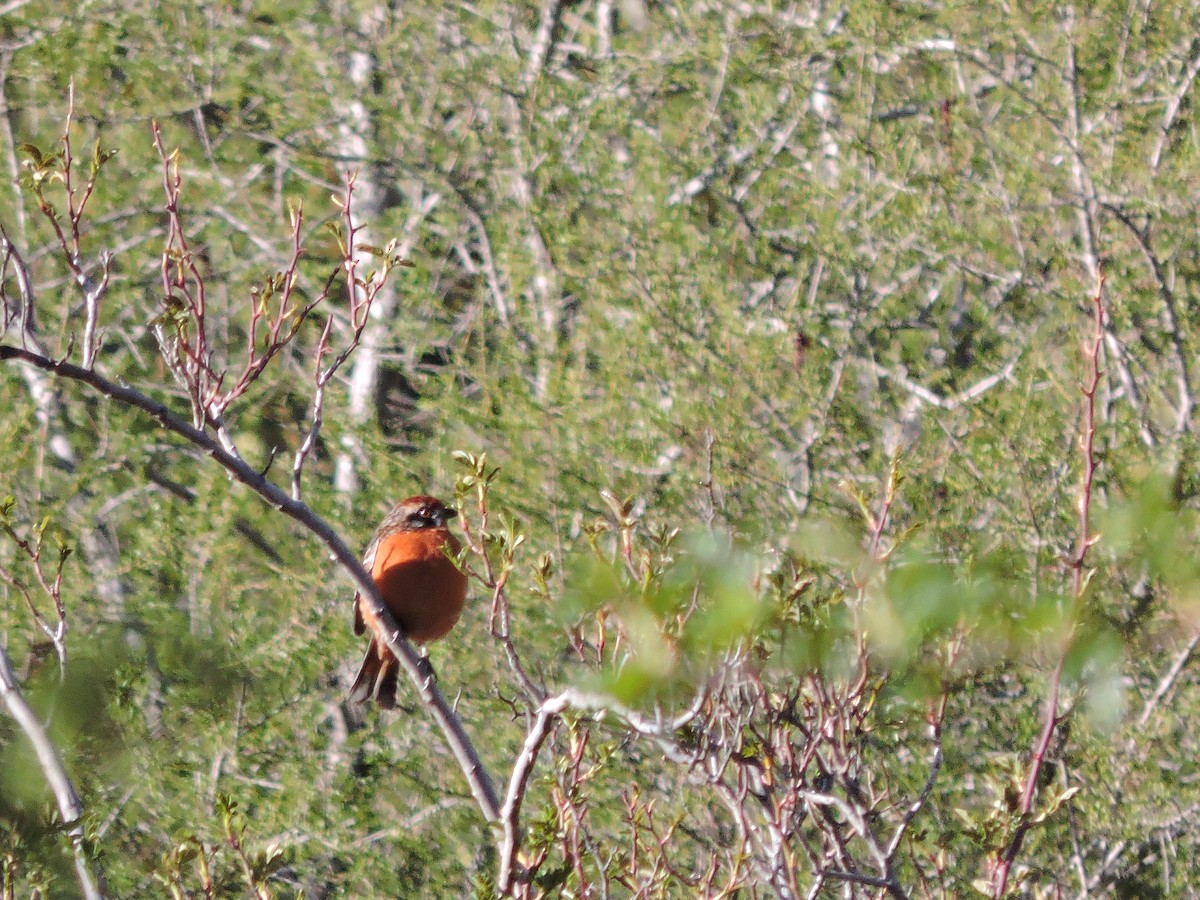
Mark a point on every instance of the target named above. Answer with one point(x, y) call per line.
point(708, 286)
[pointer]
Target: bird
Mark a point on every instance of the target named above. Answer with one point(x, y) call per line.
point(420, 585)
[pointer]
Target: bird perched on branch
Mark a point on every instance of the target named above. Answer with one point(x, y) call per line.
point(421, 587)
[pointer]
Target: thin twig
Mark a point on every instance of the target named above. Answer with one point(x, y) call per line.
point(1169, 678)
point(499, 622)
point(935, 766)
point(1084, 540)
point(1174, 103)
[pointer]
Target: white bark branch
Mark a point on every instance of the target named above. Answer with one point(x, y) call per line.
point(69, 805)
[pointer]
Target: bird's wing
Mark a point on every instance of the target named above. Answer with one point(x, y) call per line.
point(368, 561)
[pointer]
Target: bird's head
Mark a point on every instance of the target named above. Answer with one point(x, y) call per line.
point(417, 513)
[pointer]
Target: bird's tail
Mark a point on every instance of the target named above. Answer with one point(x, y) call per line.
point(377, 677)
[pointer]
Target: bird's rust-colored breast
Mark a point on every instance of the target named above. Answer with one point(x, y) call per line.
point(419, 584)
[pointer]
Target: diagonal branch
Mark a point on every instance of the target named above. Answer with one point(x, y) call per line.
point(435, 702)
point(1169, 678)
point(69, 805)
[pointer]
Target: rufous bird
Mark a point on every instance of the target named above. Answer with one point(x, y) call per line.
point(420, 585)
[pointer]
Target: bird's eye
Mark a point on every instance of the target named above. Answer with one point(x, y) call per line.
point(423, 517)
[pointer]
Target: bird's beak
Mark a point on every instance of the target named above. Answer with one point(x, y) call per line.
point(445, 515)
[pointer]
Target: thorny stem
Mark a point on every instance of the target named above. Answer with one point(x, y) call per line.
point(1051, 718)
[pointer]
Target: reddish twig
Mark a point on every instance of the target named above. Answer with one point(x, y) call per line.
point(361, 295)
point(182, 328)
point(1051, 718)
point(70, 240)
point(52, 587)
point(275, 318)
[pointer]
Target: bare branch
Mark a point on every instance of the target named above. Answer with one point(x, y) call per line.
point(182, 328)
point(1171, 110)
point(935, 766)
point(1169, 678)
point(932, 398)
point(1181, 354)
point(510, 812)
point(543, 42)
point(460, 744)
point(69, 805)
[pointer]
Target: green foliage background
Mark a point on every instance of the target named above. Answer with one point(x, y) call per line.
point(717, 258)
